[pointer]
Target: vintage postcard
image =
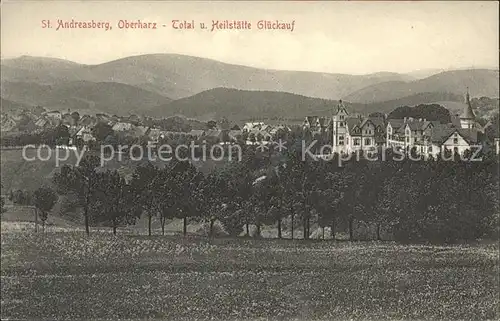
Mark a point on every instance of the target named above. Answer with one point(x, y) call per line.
point(236, 160)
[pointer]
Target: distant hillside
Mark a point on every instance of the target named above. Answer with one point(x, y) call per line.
point(11, 106)
point(455, 108)
point(243, 104)
point(142, 83)
point(40, 70)
point(113, 98)
point(237, 105)
point(179, 76)
point(38, 63)
point(481, 82)
point(424, 73)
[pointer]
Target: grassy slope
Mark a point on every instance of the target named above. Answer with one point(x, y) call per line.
point(29, 175)
point(68, 276)
point(18, 173)
point(25, 214)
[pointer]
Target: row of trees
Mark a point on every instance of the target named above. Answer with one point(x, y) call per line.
point(430, 112)
point(417, 200)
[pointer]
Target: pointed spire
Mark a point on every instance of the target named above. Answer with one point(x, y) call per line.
point(341, 106)
point(468, 112)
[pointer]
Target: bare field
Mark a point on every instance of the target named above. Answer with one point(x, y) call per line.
point(65, 275)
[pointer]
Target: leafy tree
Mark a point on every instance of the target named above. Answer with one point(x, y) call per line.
point(115, 200)
point(384, 206)
point(145, 185)
point(44, 199)
point(76, 117)
point(111, 140)
point(211, 124)
point(56, 136)
point(214, 193)
point(176, 180)
point(81, 181)
point(252, 138)
point(354, 182)
point(430, 112)
point(38, 110)
point(263, 194)
point(224, 123)
point(2, 202)
point(377, 114)
point(278, 199)
point(21, 197)
point(189, 180)
point(326, 199)
point(102, 130)
point(24, 123)
point(492, 131)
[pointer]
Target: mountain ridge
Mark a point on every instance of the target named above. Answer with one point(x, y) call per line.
point(153, 82)
point(481, 82)
point(112, 98)
point(178, 76)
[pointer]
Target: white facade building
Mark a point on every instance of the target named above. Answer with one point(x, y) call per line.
point(351, 134)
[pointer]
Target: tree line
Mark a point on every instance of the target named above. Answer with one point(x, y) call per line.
point(436, 200)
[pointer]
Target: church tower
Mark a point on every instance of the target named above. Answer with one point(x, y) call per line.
point(339, 119)
point(467, 119)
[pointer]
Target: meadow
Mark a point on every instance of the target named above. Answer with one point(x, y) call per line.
point(65, 275)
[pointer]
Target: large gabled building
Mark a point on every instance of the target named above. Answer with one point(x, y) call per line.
point(468, 118)
point(353, 133)
point(407, 132)
point(432, 137)
point(339, 128)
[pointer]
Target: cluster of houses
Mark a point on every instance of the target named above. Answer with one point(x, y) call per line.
point(346, 132)
point(136, 128)
point(81, 128)
point(423, 136)
point(250, 133)
point(349, 132)
point(259, 132)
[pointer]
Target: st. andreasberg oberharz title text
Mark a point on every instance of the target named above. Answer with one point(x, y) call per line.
point(177, 24)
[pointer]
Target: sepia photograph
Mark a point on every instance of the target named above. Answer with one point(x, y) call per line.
point(239, 160)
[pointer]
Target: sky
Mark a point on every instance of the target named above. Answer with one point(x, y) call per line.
point(338, 37)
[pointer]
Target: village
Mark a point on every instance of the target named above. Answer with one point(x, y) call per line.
point(344, 131)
